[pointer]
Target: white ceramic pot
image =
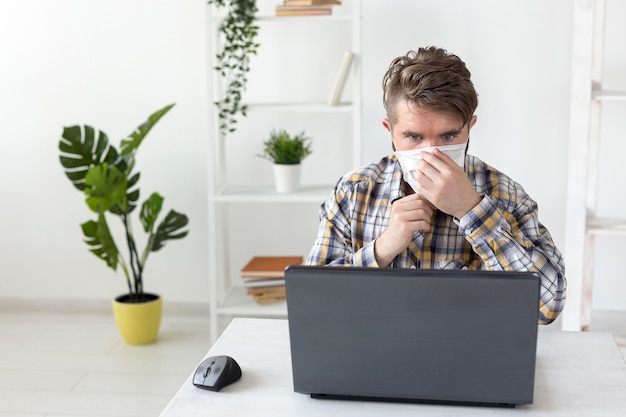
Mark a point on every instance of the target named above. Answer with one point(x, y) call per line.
point(287, 177)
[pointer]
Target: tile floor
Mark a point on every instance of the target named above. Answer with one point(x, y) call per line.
point(59, 362)
point(71, 362)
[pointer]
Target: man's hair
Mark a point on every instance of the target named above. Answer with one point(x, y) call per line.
point(433, 79)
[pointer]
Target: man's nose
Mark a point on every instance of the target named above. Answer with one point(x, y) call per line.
point(429, 142)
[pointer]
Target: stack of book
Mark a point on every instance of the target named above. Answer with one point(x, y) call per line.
point(264, 277)
point(306, 7)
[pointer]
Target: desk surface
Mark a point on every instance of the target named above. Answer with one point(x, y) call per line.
point(577, 374)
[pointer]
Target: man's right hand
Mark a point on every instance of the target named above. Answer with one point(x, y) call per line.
point(408, 215)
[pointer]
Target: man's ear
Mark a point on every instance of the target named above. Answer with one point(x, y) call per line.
point(472, 121)
point(387, 125)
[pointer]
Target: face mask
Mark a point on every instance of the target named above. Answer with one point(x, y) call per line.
point(408, 160)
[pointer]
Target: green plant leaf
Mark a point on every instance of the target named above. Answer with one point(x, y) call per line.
point(282, 148)
point(132, 196)
point(150, 210)
point(132, 142)
point(105, 187)
point(169, 229)
point(238, 31)
point(98, 237)
point(80, 151)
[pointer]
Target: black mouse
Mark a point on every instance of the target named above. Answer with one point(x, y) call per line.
point(215, 372)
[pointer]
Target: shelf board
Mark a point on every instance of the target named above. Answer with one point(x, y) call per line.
point(238, 303)
point(318, 107)
point(269, 18)
point(244, 194)
point(606, 226)
point(313, 18)
point(609, 95)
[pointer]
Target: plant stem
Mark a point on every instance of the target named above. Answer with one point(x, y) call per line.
point(122, 263)
point(134, 261)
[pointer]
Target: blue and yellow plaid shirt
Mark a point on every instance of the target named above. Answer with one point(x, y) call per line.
point(501, 233)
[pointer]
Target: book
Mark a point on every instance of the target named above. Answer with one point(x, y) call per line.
point(268, 295)
point(340, 81)
point(317, 10)
point(261, 282)
point(311, 2)
point(269, 266)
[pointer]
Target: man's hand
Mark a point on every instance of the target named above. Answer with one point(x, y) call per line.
point(408, 215)
point(445, 184)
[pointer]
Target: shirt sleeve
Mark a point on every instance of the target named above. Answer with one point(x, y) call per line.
point(514, 240)
point(335, 244)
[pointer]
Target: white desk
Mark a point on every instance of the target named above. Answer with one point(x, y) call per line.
point(578, 374)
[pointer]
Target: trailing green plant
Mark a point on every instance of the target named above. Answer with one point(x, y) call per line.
point(105, 177)
point(233, 60)
point(283, 148)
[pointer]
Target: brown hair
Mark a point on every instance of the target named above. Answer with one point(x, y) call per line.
point(433, 79)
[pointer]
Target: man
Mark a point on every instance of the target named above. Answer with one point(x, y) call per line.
point(430, 205)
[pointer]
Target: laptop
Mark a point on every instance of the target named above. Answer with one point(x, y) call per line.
point(433, 336)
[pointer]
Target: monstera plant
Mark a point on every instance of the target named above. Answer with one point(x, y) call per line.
point(109, 183)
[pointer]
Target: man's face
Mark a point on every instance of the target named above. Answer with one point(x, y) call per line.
point(418, 128)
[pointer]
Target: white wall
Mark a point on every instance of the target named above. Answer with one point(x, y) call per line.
point(111, 63)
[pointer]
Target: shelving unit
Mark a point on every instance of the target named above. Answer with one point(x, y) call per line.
point(583, 223)
point(245, 212)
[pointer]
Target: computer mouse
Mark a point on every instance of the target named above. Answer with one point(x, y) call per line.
point(216, 372)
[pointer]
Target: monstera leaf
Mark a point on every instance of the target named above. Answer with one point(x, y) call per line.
point(105, 186)
point(168, 229)
point(80, 151)
point(132, 142)
point(150, 210)
point(98, 237)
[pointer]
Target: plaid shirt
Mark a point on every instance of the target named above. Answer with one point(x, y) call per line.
point(501, 233)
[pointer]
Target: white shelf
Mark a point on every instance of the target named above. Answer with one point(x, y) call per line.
point(309, 110)
point(314, 19)
point(301, 107)
point(609, 95)
point(267, 18)
point(581, 222)
point(606, 226)
point(249, 194)
point(238, 303)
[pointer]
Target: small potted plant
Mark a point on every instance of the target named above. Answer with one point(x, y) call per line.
point(107, 180)
point(286, 152)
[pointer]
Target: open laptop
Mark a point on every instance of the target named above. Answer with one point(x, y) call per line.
point(435, 336)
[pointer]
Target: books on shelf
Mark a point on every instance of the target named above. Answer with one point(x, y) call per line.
point(269, 266)
point(264, 277)
point(306, 7)
point(311, 2)
point(340, 81)
point(263, 282)
point(321, 10)
point(268, 294)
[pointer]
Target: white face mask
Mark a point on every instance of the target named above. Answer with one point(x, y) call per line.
point(408, 160)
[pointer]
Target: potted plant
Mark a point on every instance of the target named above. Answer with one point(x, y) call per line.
point(106, 178)
point(287, 153)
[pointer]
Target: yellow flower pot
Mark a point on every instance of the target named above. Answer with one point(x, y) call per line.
point(138, 322)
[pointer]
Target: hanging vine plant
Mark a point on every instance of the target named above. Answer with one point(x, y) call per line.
point(233, 61)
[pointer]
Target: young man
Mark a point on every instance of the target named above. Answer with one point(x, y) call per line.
point(430, 205)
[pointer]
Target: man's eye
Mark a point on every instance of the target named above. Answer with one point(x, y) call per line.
point(414, 138)
point(448, 137)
